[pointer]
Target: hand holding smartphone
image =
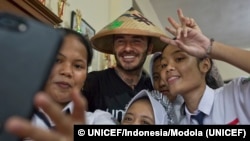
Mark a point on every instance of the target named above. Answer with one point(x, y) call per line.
point(28, 50)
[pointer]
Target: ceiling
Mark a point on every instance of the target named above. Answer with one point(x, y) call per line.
point(227, 21)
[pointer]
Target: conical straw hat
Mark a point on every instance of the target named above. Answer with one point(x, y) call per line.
point(131, 22)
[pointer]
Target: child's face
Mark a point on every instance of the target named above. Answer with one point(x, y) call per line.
point(158, 83)
point(139, 113)
point(69, 71)
point(181, 71)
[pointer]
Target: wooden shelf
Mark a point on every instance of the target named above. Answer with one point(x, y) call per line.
point(30, 8)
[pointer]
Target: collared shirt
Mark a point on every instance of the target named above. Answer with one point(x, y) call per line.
point(96, 117)
point(226, 105)
point(178, 105)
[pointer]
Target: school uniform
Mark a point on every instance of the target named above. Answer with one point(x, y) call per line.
point(178, 105)
point(42, 120)
point(229, 104)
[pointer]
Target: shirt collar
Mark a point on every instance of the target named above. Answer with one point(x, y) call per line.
point(68, 108)
point(205, 104)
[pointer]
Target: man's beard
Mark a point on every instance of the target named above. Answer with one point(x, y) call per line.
point(131, 69)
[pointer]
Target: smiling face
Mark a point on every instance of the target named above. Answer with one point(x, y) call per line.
point(158, 83)
point(131, 51)
point(69, 71)
point(140, 112)
point(182, 72)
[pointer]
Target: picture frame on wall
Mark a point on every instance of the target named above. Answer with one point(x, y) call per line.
point(80, 25)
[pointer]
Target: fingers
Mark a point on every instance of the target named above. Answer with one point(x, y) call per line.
point(181, 17)
point(18, 127)
point(63, 122)
point(80, 105)
point(187, 21)
point(171, 30)
point(168, 41)
point(194, 25)
point(180, 45)
point(178, 29)
point(23, 129)
point(173, 22)
point(179, 32)
point(191, 22)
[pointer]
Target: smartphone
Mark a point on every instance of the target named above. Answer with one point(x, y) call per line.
point(28, 50)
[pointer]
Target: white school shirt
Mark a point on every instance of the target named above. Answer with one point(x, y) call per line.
point(92, 118)
point(97, 117)
point(178, 107)
point(229, 104)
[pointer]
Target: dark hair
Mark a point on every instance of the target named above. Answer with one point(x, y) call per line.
point(157, 57)
point(85, 41)
point(213, 77)
point(211, 81)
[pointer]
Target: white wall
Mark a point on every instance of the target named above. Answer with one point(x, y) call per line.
point(228, 71)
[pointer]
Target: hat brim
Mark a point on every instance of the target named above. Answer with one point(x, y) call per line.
point(103, 42)
point(132, 22)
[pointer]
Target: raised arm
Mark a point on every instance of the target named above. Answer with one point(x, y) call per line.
point(194, 42)
point(233, 55)
point(64, 131)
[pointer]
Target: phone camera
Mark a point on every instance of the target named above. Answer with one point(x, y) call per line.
point(22, 27)
point(13, 24)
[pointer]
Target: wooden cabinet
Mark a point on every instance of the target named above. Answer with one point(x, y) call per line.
point(30, 8)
